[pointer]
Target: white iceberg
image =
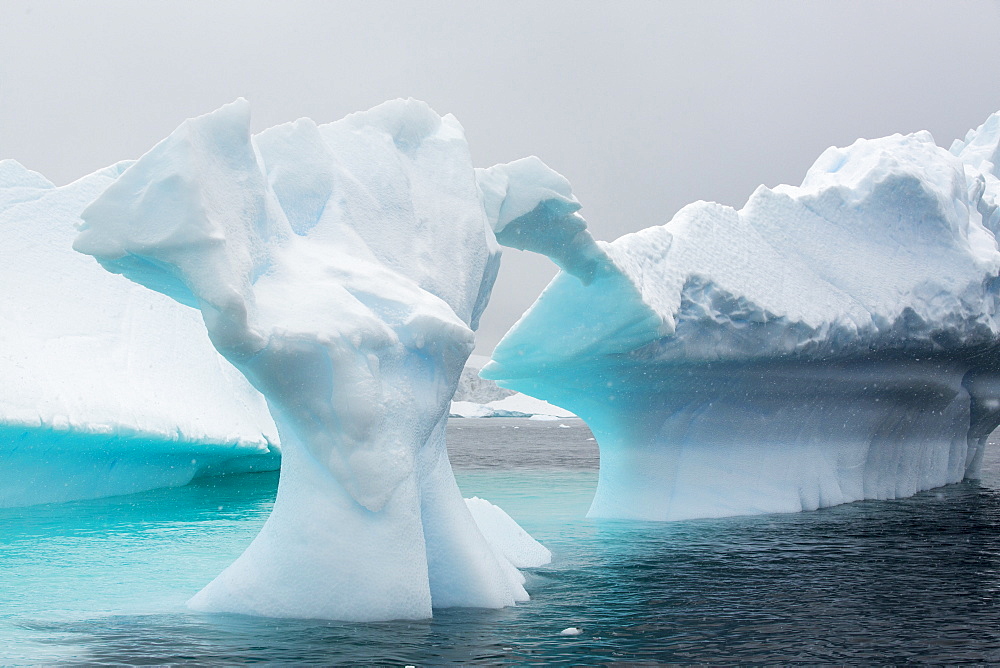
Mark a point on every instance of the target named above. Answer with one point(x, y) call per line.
point(342, 269)
point(93, 401)
point(515, 406)
point(473, 389)
point(506, 536)
point(826, 343)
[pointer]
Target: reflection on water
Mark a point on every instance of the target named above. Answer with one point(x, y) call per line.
point(895, 581)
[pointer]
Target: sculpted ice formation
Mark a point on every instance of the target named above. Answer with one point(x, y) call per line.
point(92, 401)
point(826, 343)
point(342, 269)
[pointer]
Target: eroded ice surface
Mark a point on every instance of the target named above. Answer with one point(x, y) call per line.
point(342, 269)
point(828, 342)
point(93, 401)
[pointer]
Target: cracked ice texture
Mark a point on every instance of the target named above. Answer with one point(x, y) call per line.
point(342, 269)
point(826, 343)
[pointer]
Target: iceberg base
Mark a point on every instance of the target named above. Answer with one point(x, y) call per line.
point(736, 439)
point(322, 555)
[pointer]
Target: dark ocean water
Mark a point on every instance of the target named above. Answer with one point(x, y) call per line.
point(914, 580)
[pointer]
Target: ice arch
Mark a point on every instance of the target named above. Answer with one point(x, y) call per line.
point(826, 343)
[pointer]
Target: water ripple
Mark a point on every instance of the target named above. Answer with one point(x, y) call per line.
point(907, 581)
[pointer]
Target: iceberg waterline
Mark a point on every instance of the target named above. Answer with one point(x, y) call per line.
point(93, 401)
point(826, 343)
point(341, 268)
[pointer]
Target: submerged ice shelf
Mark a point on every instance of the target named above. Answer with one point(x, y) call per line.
point(342, 269)
point(826, 343)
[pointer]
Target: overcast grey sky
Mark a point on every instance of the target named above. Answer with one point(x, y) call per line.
point(644, 106)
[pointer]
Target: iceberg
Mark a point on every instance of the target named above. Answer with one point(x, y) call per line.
point(342, 268)
point(93, 402)
point(828, 342)
point(515, 406)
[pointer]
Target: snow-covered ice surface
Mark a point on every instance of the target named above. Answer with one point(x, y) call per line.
point(93, 402)
point(826, 343)
point(516, 405)
point(342, 268)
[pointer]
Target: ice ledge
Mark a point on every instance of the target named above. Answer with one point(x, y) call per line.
point(45, 465)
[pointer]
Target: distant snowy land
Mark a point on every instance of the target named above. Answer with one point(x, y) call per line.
point(480, 398)
point(828, 342)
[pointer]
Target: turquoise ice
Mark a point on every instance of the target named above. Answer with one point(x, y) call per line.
point(93, 401)
point(826, 343)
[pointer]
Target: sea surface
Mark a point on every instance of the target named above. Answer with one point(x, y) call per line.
point(915, 580)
